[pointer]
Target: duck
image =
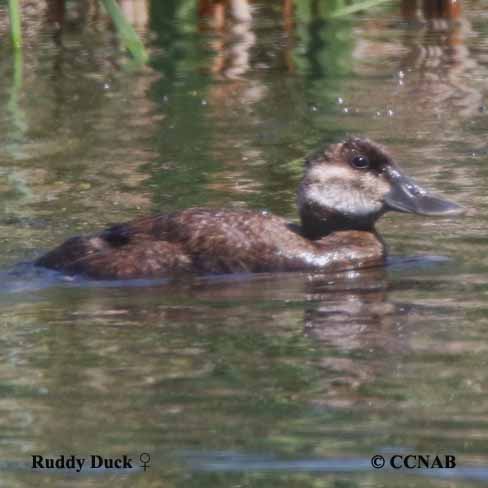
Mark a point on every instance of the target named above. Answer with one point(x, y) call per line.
point(346, 187)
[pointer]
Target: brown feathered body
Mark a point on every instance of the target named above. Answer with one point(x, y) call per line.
point(207, 241)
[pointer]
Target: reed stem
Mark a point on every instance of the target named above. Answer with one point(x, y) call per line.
point(355, 7)
point(126, 32)
point(15, 24)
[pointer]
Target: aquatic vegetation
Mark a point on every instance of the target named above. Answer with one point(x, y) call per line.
point(126, 32)
point(334, 8)
point(15, 28)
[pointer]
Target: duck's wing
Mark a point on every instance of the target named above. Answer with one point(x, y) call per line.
point(197, 240)
point(123, 251)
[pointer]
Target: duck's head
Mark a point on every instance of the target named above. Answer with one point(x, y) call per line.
point(351, 184)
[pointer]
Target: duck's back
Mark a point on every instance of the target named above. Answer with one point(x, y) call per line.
point(208, 241)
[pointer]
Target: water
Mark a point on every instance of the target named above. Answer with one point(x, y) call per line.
point(272, 380)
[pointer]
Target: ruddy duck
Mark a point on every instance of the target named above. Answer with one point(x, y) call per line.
point(344, 191)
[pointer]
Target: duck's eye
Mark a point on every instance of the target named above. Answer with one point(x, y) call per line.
point(360, 162)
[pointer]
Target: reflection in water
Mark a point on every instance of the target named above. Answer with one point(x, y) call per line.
point(233, 38)
point(442, 10)
point(433, 69)
point(201, 359)
point(83, 165)
point(442, 59)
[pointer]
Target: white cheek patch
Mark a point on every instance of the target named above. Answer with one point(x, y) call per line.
point(345, 194)
point(343, 200)
point(340, 172)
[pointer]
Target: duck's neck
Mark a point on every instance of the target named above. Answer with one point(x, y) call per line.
point(317, 222)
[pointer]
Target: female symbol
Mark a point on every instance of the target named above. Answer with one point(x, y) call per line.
point(145, 458)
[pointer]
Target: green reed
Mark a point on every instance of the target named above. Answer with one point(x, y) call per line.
point(344, 9)
point(126, 32)
point(15, 29)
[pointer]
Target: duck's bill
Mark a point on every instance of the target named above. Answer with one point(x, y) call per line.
point(407, 196)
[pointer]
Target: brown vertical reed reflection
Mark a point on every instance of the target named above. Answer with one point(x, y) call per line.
point(59, 17)
point(90, 11)
point(288, 26)
point(409, 9)
point(230, 24)
point(231, 21)
point(136, 12)
point(288, 11)
point(439, 59)
point(80, 94)
point(442, 9)
point(55, 13)
point(431, 9)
